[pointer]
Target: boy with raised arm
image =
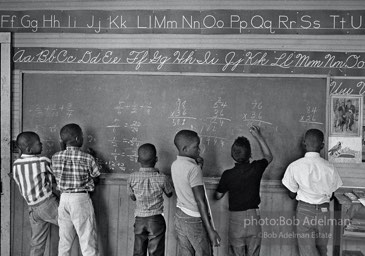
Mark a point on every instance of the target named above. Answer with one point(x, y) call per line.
point(312, 181)
point(32, 173)
point(75, 172)
point(195, 231)
point(242, 182)
point(147, 187)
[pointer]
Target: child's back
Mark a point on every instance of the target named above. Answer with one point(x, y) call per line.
point(196, 234)
point(147, 187)
point(32, 174)
point(75, 172)
point(312, 181)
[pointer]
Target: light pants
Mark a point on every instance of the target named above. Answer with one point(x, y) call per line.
point(244, 235)
point(313, 229)
point(41, 217)
point(192, 238)
point(76, 217)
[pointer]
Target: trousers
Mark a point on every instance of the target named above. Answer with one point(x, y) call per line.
point(149, 235)
point(76, 217)
point(41, 217)
point(192, 238)
point(313, 229)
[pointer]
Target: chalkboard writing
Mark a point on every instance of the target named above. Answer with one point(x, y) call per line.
point(119, 112)
point(345, 86)
point(185, 21)
point(188, 60)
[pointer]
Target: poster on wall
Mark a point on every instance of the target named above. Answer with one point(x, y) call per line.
point(363, 144)
point(345, 149)
point(346, 116)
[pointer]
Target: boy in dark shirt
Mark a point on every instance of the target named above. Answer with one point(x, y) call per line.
point(243, 184)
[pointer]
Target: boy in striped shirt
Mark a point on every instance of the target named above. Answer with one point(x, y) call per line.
point(32, 174)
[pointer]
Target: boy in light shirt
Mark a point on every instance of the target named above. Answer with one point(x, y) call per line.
point(193, 224)
point(311, 180)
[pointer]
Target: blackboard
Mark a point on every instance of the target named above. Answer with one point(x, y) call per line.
point(118, 112)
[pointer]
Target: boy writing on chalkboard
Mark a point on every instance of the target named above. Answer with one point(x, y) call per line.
point(75, 172)
point(32, 174)
point(242, 182)
point(193, 224)
point(147, 187)
point(312, 181)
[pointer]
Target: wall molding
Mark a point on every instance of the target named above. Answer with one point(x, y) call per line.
point(336, 43)
point(189, 4)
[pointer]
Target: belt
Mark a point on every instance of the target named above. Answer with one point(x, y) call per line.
point(74, 192)
point(316, 206)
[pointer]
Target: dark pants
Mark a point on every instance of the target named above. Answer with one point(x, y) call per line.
point(149, 234)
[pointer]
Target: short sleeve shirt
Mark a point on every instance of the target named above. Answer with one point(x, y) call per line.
point(186, 174)
point(313, 178)
point(242, 182)
point(148, 186)
point(33, 176)
point(74, 170)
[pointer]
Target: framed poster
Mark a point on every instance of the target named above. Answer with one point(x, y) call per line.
point(346, 115)
point(345, 149)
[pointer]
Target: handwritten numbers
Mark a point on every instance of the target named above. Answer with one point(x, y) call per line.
point(309, 116)
point(179, 114)
point(91, 139)
point(256, 105)
point(255, 116)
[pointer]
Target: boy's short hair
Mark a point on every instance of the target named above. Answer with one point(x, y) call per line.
point(314, 138)
point(184, 137)
point(241, 149)
point(69, 132)
point(26, 139)
point(147, 153)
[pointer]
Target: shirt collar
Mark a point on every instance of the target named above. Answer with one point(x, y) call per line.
point(186, 158)
point(148, 169)
point(72, 148)
point(27, 156)
point(312, 154)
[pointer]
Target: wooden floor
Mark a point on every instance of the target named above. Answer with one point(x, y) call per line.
point(114, 211)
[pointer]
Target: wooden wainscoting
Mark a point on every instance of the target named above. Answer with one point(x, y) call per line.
point(114, 211)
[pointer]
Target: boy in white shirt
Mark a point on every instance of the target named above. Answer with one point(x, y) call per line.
point(195, 232)
point(311, 180)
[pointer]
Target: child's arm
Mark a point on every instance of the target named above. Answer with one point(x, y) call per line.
point(292, 195)
point(130, 190)
point(168, 187)
point(133, 197)
point(256, 133)
point(96, 178)
point(200, 198)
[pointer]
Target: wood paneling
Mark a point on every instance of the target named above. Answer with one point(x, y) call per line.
point(114, 211)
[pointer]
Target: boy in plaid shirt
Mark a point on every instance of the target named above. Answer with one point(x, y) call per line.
point(147, 188)
point(75, 172)
point(32, 174)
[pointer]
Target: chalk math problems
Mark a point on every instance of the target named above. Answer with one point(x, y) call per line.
point(120, 112)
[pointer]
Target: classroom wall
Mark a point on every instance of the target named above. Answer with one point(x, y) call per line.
point(114, 212)
point(115, 223)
